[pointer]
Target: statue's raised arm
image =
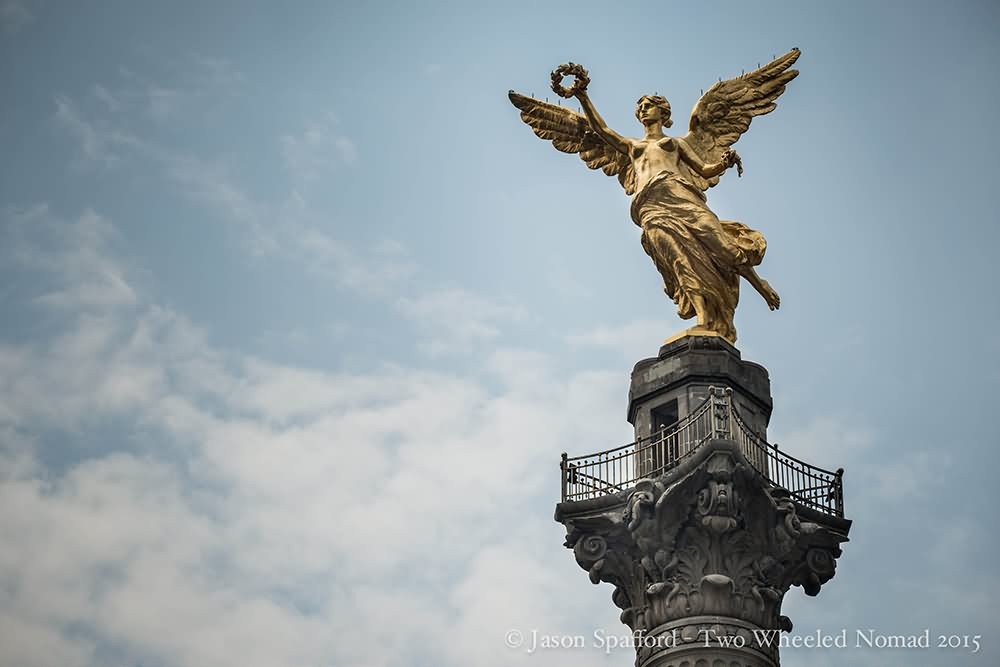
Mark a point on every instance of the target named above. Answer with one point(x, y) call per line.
point(571, 132)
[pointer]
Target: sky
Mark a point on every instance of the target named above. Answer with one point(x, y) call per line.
point(296, 317)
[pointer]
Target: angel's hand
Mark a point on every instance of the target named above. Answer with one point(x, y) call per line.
point(730, 158)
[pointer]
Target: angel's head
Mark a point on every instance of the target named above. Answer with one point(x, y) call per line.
point(653, 108)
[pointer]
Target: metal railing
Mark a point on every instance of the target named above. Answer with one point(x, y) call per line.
point(618, 469)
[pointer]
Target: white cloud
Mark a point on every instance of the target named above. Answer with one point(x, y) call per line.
point(457, 317)
point(109, 99)
point(163, 103)
point(14, 15)
point(244, 512)
point(210, 183)
point(634, 340)
point(289, 230)
point(346, 148)
point(93, 140)
point(74, 253)
point(833, 442)
point(910, 475)
point(379, 269)
point(303, 516)
point(827, 441)
point(215, 73)
point(314, 152)
point(194, 86)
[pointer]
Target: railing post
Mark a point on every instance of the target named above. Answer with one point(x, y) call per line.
point(711, 412)
point(729, 413)
point(840, 492)
point(660, 460)
point(563, 472)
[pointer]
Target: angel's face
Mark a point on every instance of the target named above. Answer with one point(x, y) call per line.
point(653, 109)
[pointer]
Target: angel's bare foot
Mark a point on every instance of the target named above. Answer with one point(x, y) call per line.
point(770, 296)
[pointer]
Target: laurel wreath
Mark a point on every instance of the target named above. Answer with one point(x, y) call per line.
point(580, 82)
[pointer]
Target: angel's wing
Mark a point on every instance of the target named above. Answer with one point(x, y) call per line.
point(725, 111)
point(570, 132)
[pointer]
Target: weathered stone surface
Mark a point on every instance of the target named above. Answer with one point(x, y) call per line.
point(701, 554)
point(685, 370)
point(710, 538)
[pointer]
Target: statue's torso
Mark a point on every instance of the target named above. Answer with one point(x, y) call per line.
point(651, 157)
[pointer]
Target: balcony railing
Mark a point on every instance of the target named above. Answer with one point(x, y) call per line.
point(618, 469)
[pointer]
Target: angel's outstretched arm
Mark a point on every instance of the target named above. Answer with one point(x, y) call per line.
point(706, 169)
point(615, 140)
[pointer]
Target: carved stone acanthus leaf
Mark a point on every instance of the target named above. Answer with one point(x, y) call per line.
point(709, 538)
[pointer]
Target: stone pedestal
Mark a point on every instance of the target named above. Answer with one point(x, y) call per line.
point(677, 381)
point(701, 555)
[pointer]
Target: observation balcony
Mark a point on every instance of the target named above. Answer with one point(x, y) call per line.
point(617, 470)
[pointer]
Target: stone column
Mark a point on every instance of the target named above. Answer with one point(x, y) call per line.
point(701, 556)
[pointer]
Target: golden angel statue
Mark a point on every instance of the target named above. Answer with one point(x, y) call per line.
point(700, 257)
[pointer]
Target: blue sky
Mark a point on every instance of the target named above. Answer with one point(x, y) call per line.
point(297, 317)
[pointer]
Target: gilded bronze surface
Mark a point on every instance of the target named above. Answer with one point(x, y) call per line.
point(699, 256)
